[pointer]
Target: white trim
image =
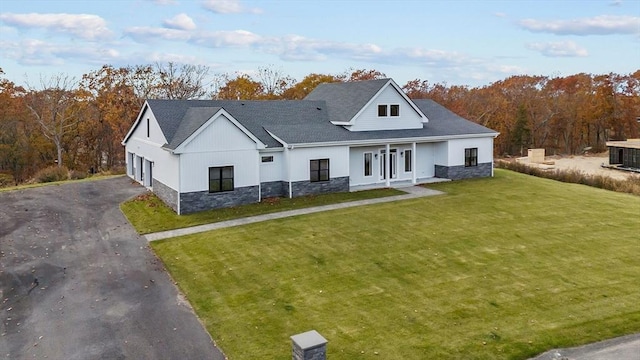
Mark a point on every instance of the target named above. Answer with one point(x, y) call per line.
point(414, 155)
point(284, 143)
point(258, 177)
point(179, 178)
point(387, 165)
point(364, 162)
point(145, 106)
point(396, 140)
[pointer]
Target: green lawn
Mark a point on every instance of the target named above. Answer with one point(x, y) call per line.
point(148, 214)
point(500, 268)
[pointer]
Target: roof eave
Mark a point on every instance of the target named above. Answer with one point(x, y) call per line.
point(396, 140)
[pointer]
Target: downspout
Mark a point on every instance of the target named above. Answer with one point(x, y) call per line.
point(288, 153)
point(259, 179)
point(179, 178)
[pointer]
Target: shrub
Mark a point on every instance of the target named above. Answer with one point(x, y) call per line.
point(6, 180)
point(77, 175)
point(631, 185)
point(52, 173)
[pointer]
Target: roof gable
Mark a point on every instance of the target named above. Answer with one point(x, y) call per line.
point(345, 100)
point(218, 131)
point(351, 101)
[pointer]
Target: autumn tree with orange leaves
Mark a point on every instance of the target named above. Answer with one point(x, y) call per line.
point(83, 124)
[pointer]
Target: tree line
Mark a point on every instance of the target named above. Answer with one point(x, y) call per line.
point(80, 123)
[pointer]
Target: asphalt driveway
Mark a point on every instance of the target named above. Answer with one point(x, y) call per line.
point(77, 282)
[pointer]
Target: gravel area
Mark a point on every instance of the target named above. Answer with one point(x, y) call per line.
point(590, 164)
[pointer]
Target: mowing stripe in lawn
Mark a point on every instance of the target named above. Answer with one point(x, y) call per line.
point(412, 193)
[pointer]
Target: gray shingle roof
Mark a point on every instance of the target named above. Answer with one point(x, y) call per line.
point(177, 121)
point(346, 99)
point(442, 122)
point(305, 121)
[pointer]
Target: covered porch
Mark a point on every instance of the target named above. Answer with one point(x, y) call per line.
point(394, 164)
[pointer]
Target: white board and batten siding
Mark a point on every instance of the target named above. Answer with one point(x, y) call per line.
point(299, 161)
point(221, 143)
point(356, 163)
point(274, 170)
point(425, 160)
point(455, 149)
point(368, 118)
point(165, 165)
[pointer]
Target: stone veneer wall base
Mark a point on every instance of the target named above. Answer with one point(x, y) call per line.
point(204, 200)
point(302, 188)
point(274, 189)
point(462, 172)
point(166, 194)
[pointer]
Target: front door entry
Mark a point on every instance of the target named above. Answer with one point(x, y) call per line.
point(393, 160)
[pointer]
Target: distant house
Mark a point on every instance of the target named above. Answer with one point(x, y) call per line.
point(625, 154)
point(205, 154)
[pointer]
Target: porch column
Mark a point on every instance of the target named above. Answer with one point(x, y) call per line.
point(387, 168)
point(414, 155)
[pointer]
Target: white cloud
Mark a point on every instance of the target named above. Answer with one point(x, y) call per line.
point(598, 25)
point(615, 3)
point(180, 22)
point(86, 26)
point(164, 2)
point(558, 49)
point(38, 52)
point(145, 34)
point(228, 7)
point(235, 38)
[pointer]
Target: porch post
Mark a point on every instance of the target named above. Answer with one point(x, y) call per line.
point(387, 168)
point(414, 155)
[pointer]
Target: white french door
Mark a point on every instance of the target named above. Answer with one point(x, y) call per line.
point(393, 162)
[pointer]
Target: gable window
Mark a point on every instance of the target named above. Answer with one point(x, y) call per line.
point(220, 179)
point(471, 157)
point(148, 129)
point(368, 164)
point(382, 110)
point(319, 170)
point(407, 161)
point(395, 110)
point(267, 159)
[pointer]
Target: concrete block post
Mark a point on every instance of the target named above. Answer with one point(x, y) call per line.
point(309, 346)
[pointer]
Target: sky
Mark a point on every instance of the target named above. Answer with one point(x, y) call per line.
point(471, 43)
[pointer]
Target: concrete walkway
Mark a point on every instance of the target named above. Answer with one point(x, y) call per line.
point(412, 192)
point(622, 348)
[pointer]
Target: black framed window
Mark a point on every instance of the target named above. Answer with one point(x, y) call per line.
point(368, 164)
point(267, 159)
point(395, 110)
point(148, 128)
point(382, 110)
point(319, 170)
point(221, 179)
point(407, 161)
point(471, 157)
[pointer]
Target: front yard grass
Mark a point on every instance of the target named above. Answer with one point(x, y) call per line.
point(500, 268)
point(148, 214)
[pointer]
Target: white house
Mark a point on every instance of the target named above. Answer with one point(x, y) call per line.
point(204, 154)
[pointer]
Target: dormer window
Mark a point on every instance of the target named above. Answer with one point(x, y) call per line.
point(388, 110)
